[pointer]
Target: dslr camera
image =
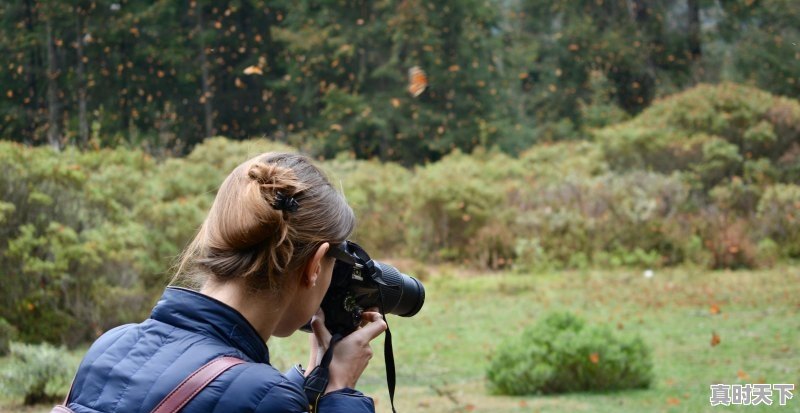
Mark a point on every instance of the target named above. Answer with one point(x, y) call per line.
point(358, 283)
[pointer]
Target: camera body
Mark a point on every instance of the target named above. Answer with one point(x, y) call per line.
point(359, 283)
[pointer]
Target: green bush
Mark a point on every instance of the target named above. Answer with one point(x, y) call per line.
point(779, 217)
point(730, 239)
point(453, 201)
point(37, 373)
point(562, 354)
point(631, 219)
point(55, 239)
point(380, 198)
point(711, 130)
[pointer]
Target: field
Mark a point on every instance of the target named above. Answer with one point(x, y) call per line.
point(443, 352)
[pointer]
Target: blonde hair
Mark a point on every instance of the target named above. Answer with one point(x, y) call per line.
point(246, 236)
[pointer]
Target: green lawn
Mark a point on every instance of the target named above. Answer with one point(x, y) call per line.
point(442, 353)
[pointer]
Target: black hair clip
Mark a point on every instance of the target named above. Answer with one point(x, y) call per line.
point(285, 203)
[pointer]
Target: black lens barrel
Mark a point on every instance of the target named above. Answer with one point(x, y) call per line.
point(404, 295)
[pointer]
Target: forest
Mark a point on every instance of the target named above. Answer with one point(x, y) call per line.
point(331, 76)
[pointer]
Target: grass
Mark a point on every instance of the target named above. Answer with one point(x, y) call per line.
point(442, 353)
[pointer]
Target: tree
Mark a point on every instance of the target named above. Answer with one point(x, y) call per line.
point(639, 46)
point(347, 71)
point(762, 38)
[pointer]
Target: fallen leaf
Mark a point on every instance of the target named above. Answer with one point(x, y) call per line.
point(715, 340)
point(594, 358)
point(673, 401)
point(742, 375)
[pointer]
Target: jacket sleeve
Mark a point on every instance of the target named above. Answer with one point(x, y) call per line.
point(340, 401)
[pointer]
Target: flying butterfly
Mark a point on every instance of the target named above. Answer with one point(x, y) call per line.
point(253, 70)
point(417, 81)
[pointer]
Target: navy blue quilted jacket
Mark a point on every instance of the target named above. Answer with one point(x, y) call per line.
point(133, 367)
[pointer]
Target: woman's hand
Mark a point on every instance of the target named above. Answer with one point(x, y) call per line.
point(350, 355)
point(319, 340)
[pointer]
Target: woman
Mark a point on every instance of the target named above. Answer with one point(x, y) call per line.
point(260, 258)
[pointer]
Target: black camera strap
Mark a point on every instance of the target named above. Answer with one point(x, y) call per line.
point(388, 356)
point(316, 382)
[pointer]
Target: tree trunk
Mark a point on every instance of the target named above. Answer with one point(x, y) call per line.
point(83, 122)
point(695, 45)
point(32, 102)
point(636, 85)
point(53, 106)
point(205, 82)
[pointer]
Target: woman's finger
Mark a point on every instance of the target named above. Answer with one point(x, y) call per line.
point(364, 321)
point(374, 327)
point(318, 327)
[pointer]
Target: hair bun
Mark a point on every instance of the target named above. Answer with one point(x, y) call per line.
point(272, 178)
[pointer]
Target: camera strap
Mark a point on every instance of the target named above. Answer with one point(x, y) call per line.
point(388, 356)
point(316, 382)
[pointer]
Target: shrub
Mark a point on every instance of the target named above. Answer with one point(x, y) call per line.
point(736, 195)
point(616, 219)
point(379, 196)
point(55, 206)
point(37, 373)
point(563, 354)
point(779, 217)
point(727, 237)
point(711, 130)
point(550, 162)
point(452, 201)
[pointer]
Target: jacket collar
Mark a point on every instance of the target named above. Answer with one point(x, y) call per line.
point(199, 313)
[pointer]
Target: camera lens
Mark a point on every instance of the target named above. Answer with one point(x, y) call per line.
point(403, 295)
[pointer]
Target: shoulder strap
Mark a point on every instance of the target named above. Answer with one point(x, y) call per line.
point(185, 391)
point(192, 385)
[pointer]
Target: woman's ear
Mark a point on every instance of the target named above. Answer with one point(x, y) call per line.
point(313, 269)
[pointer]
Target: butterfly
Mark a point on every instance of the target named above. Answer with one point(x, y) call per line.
point(253, 70)
point(417, 81)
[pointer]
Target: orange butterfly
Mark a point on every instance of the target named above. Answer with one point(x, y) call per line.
point(417, 81)
point(253, 70)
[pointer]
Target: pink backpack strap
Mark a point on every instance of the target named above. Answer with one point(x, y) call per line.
point(192, 385)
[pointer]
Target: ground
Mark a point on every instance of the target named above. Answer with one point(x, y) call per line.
point(442, 353)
